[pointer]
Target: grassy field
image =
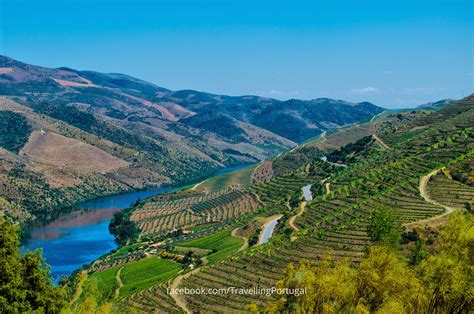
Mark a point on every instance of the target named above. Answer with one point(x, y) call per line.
point(223, 243)
point(99, 287)
point(106, 283)
point(146, 273)
point(242, 177)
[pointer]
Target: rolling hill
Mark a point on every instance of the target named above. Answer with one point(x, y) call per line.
point(69, 135)
point(415, 165)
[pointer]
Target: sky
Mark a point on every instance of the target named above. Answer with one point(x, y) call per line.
point(393, 53)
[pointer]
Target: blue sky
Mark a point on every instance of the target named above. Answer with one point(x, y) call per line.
point(393, 53)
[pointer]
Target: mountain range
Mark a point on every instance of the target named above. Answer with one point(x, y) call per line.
point(80, 134)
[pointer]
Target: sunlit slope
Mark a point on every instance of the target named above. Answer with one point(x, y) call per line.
point(336, 222)
point(414, 163)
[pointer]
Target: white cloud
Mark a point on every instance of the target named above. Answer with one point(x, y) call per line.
point(280, 94)
point(365, 90)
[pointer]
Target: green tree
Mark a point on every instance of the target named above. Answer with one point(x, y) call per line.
point(324, 292)
point(417, 253)
point(449, 275)
point(384, 227)
point(384, 283)
point(24, 282)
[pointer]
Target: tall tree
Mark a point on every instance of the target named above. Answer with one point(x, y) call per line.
point(24, 282)
point(384, 227)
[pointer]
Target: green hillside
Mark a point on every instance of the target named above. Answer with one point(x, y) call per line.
point(69, 135)
point(397, 201)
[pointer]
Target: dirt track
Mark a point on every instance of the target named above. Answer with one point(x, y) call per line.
point(423, 184)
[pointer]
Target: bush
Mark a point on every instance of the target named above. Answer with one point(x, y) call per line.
point(384, 227)
point(14, 131)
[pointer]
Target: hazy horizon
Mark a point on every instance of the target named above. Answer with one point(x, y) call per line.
point(396, 54)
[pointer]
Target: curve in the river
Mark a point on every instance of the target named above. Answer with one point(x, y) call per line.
point(267, 231)
point(82, 236)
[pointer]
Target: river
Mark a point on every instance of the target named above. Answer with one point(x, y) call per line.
point(82, 236)
point(268, 230)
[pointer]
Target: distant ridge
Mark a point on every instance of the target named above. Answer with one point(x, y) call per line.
point(153, 135)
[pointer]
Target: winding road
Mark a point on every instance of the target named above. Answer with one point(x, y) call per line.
point(423, 192)
point(308, 197)
point(328, 191)
point(291, 222)
point(268, 227)
point(246, 241)
point(119, 281)
point(325, 159)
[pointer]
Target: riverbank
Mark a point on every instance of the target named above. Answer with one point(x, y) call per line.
point(267, 228)
point(81, 235)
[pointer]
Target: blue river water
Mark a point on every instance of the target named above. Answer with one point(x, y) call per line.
point(229, 169)
point(81, 236)
point(268, 230)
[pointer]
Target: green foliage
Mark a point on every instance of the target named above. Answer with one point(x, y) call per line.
point(145, 273)
point(385, 283)
point(381, 282)
point(449, 274)
point(24, 282)
point(14, 131)
point(254, 237)
point(221, 244)
point(418, 253)
point(384, 227)
point(122, 227)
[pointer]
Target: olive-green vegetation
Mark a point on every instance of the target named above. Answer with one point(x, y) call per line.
point(14, 131)
point(356, 217)
point(97, 292)
point(242, 177)
point(221, 244)
point(24, 282)
point(122, 227)
point(385, 283)
point(384, 227)
point(146, 273)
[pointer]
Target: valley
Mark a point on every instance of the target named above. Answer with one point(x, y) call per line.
point(335, 221)
point(267, 189)
point(69, 135)
point(241, 157)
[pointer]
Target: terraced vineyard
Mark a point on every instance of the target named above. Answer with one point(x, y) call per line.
point(154, 299)
point(411, 178)
point(337, 222)
point(449, 192)
point(162, 216)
